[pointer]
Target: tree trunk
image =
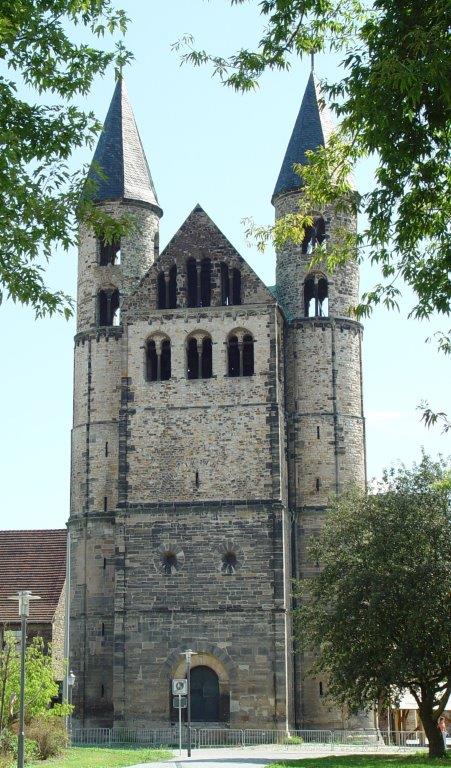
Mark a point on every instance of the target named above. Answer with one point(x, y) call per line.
point(434, 735)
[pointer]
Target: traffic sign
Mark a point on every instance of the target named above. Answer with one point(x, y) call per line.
point(180, 686)
point(180, 702)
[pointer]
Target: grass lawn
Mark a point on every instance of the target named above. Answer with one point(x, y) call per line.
point(94, 757)
point(362, 761)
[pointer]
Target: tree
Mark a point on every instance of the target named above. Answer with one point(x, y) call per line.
point(40, 198)
point(378, 613)
point(40, 686)
point(394, 101)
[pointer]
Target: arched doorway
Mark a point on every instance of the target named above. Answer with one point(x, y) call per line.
point(204, 695)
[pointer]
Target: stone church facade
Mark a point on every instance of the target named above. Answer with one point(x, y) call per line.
point(213, 419)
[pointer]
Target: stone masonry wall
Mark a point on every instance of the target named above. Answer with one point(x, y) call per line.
point(293, 266)
point(138, 250)
point(237, 618)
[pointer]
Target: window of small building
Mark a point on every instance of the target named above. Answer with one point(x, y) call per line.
point(108, 309)
point(109, 253)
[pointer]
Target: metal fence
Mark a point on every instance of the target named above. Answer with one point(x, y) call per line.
point(230, 737)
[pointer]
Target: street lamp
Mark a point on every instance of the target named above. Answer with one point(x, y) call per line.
point(70, 688)
point(23, 597)
point(187, 654)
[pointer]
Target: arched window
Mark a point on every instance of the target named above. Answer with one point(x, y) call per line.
point(316, 302)
point(314, 235)
point(109, 253)
point(161, 286)
point(158, 359)
point(199, 362)
point(204, 690)
point(172, 288)
point(108, 310)
point(191, 278)
point(240, 354)
point(205, 283)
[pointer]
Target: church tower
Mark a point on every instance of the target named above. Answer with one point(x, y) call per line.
point(325, 423)
point(108, 272)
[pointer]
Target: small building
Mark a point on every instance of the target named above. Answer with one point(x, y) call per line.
point(35, 560)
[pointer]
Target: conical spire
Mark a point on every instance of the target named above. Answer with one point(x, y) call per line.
point(311, 130)
point(120, 156)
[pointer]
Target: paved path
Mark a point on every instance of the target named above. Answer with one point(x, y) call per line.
point(247, 757)
point(231, 757)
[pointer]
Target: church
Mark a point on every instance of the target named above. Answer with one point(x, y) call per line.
point(214, 417)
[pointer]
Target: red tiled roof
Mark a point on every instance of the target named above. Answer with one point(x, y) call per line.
point(34, 560)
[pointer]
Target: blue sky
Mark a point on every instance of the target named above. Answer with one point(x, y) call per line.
point(205, 144)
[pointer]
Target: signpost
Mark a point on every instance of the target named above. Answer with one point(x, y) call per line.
point(180, 701)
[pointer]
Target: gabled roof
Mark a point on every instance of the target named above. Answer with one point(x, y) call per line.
point(311, 130)
point(34, 560)
point(125, 174)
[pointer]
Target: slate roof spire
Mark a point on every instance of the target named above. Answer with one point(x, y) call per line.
point(120, 155)
point(312, 129)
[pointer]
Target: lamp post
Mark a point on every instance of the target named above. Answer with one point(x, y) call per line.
point(187, 654)
point(70, 688)
point(23, 598)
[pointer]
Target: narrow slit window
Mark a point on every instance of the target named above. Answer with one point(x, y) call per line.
point(318, 484)
point(317, 433)
point(104, 563)
point(102, 691)
point(248, 355)
point(233, 356)
point(165, 360)
point(207, 362)
point(152, 361)
point(172, 292)
point(106, 448)
point(236, 286)
point(105, 503)
point(192, 359)
point(321, 689)
point(191, 277)
point(197, 479)
point(103, 629)
point(225, 286)
point(161, 286)
point(205, 283)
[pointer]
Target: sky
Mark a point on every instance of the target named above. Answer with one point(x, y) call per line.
point(205, 144)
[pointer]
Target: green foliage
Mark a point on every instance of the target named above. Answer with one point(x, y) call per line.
point(379, 610)
point(50, 736)
point(394, 102)
point(40, 687)
point(9, 748)
point(39, 195)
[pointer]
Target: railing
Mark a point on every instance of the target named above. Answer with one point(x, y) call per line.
point(249, 737)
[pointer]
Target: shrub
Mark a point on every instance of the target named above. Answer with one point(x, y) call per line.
point(50, 736)
point(8, 748)
point(293, 740)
